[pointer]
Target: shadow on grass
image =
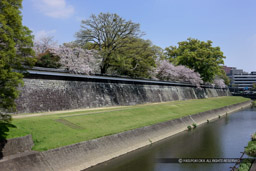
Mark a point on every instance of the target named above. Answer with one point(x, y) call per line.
point(4, 129)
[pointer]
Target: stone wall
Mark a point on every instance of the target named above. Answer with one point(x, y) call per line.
point(59, 94)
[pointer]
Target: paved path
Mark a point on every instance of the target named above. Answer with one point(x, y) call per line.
point(17, 116)
point(62, 112)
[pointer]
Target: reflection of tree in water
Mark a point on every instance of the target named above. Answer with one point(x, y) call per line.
point(186, 144)
point(139, 160)
point(206, 141)
point(203, 140)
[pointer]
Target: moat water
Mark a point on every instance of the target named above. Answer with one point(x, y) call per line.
point(222, 138)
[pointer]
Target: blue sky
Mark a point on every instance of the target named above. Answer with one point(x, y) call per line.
point(230, 24)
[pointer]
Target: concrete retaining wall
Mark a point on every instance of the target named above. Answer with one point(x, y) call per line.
point(17, 145)
point(89, 153)
point(39, 95)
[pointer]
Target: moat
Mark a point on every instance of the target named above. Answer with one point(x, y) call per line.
point(222, 138)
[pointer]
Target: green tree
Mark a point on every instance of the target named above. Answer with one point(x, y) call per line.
point(198, 55)
point(107, 32)
point(48, 60)
point(135, 59)
point(159, 52)
point(254, 88)
point(15, 52)
point(223, 76)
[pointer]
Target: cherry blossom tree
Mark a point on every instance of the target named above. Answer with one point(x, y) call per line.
point(218, 82)
point(43, 44)
point(189, 75)
point(169, 72)
point(166, 71)
point(77, 60)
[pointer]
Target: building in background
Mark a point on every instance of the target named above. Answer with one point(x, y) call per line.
point(239, 78)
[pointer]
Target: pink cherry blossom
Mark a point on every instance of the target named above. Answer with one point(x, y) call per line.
point(169, 72)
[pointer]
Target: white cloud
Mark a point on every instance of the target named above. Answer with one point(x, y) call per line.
point(44, 33)
point(54, 8)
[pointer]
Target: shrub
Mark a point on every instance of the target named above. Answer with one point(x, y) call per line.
point(48, 60)
point(254, 103)
point(250, 150)
point(189, 127)
point(245, 165)
point(194, 125)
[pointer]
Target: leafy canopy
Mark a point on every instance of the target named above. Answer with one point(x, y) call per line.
point(15, 52)
point(223, 76)
point(48, 60)
point(135, 59)
point(107, 33)
point(198, 55)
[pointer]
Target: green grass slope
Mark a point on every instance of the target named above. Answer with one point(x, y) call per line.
point(56, 130)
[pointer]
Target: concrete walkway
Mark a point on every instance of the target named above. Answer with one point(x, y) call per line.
point(104, 109)
point(17, 116)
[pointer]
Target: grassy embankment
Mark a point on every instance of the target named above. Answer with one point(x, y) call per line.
point(56, 130)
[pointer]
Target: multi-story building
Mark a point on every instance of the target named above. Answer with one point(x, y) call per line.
point(239, 78)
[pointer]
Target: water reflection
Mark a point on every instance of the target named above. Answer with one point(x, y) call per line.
point(225, 137)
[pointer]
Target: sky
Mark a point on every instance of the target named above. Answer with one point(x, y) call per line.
point(230, 24)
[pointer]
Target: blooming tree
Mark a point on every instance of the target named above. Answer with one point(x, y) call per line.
point(43, 44)
point(218, 82)
point(78, 60)
point(169, 72)
point(71, 57)
point(189, 75)
point(166, 71)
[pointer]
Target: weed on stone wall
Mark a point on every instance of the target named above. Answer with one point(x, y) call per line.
point(250, 150)
point(245, 165)
point(254, 103)
point(189, 128)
